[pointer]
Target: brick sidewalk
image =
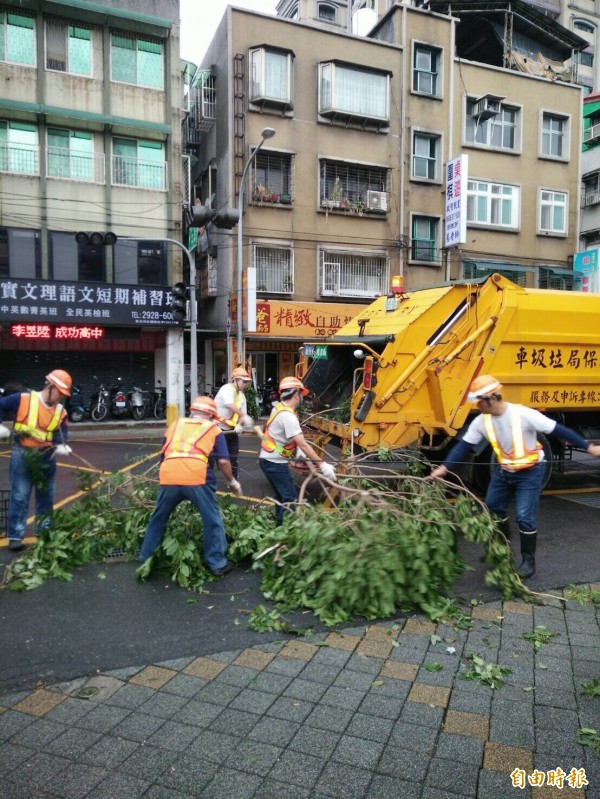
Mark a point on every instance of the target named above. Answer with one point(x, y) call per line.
point(377, 712)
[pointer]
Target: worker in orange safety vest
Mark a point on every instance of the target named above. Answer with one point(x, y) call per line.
point(186, 473)
point(512, 432)
point(39, 434)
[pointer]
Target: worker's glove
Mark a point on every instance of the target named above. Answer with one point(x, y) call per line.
point(327, 471)
point(248, 424)
point(238, 429)
point(4, 431)
point(235, 486)
point(299, 455)
point(63, 449)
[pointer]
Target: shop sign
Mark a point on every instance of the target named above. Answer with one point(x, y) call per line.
point(303, 319)
point(63, 332)
point(53, 301)
point(320, 353)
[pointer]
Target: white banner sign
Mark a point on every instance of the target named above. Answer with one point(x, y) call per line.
point(456, 200)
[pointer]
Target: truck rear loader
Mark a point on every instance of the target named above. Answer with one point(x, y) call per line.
point(396, 376)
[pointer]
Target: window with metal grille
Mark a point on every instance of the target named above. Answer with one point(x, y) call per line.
point(554, 131)
point(425, 159)
point(18, 148)
point(590, 194)
point(68, 47)
point(326, 12)
point(473, 270)
point(352, 274)
point(137, 60)
point(553, 212)
point(272, 174)
point(556, 278)
point(353, 92)
point(271, 77)
point(424, 243)
point(17, 38)
point(354, 188)
point(426, 68)
point(492, 204)
point(274, 269)
point(498, 132)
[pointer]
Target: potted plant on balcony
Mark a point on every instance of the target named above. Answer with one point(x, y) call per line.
point(259, 193)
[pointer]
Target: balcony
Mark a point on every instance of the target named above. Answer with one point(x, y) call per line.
point(591, 198)
point(75, 165)
point(20, 159)
point(138, 173)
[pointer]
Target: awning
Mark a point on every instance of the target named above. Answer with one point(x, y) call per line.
point(496, 266)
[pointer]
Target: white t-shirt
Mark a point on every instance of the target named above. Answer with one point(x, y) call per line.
point(229, 395)
point(532, 422)
point(283, 429)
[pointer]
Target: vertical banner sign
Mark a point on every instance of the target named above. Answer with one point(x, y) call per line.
point(456, 201)
point(251, 294)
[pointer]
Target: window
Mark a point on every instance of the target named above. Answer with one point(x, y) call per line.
point(272, 178)
point(554, 131)
point(499, 132)
point(138, 163)
point(18, 148)
point(492, 204)
point(68, 48)
point(73, 261)
point(585, 58)
point(326, 12)
point(70, 154)
point(271, 77)
point(426, 67)
point(555, 277)
point(353, 188)
point(425, 159)
point(349, 92)
point(19, 253)
point(581, 25)
point(553, 212)
point(141, 263)
point(472, 270)
point(138, 61)
point(17, 38)
point(424, 243)
point(352, 274)
point(591, 190)
point(274, 269)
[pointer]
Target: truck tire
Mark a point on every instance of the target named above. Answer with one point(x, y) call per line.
point(485, 461)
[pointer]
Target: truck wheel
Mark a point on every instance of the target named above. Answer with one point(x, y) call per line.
point(486, 461)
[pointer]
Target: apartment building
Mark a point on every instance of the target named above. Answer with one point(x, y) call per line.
point(90, 142)
point(351, 188)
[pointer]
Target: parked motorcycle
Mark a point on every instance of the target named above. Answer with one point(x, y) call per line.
point(136, 404)
point(159, 407)
point(74, 405)
point(118, 400)
point(99, 403)
point(269, 396)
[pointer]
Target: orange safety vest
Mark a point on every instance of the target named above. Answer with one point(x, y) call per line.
point(186, 450)
point(237, 401)
point(521, 458)
point(35, 423)
point(268, 443)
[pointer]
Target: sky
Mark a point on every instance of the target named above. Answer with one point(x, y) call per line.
point(200, 18)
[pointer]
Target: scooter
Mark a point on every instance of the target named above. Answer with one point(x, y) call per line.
point(269, 395)
point(74, 406)
point(136, 403)
point(118, 400)
point(99, 403)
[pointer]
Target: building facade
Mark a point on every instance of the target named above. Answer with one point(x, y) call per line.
point(90, 142)
point(351, 189)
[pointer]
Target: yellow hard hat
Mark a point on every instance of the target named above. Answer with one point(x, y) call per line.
point(483, 386)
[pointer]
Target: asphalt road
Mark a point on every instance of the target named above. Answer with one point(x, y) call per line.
point(104, 619)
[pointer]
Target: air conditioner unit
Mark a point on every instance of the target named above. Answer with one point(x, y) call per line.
point(592, 133)
point(487, 107)
point(376, 201)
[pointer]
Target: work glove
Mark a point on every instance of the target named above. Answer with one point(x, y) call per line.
point(327, 471)
point(63, 449)
point(299, 455)
point(239, 428)
point(4, 431)
point(248, 424)
point(235, 486)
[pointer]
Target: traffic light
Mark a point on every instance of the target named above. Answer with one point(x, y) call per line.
point(226, 219)
point(96, 238)
point(179, 302)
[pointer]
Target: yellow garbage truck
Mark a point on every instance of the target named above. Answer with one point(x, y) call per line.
point(397, 375)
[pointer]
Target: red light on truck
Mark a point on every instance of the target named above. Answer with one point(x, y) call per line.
point(368, 373)
point(397, 286)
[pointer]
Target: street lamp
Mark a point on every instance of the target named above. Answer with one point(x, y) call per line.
point(266, 133)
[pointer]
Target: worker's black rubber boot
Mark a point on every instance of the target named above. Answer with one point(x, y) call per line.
point(528, 545)
point(504, 526)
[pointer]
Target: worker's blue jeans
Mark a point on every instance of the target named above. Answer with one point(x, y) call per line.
point(30, 469)
point(280, 477)
point(525, 486)
point(205, 499)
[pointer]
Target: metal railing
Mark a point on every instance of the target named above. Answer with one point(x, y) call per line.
point(20, 159)
point(75, 165)
point(127, 171)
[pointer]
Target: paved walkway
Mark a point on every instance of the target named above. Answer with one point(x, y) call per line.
point(376, 711)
